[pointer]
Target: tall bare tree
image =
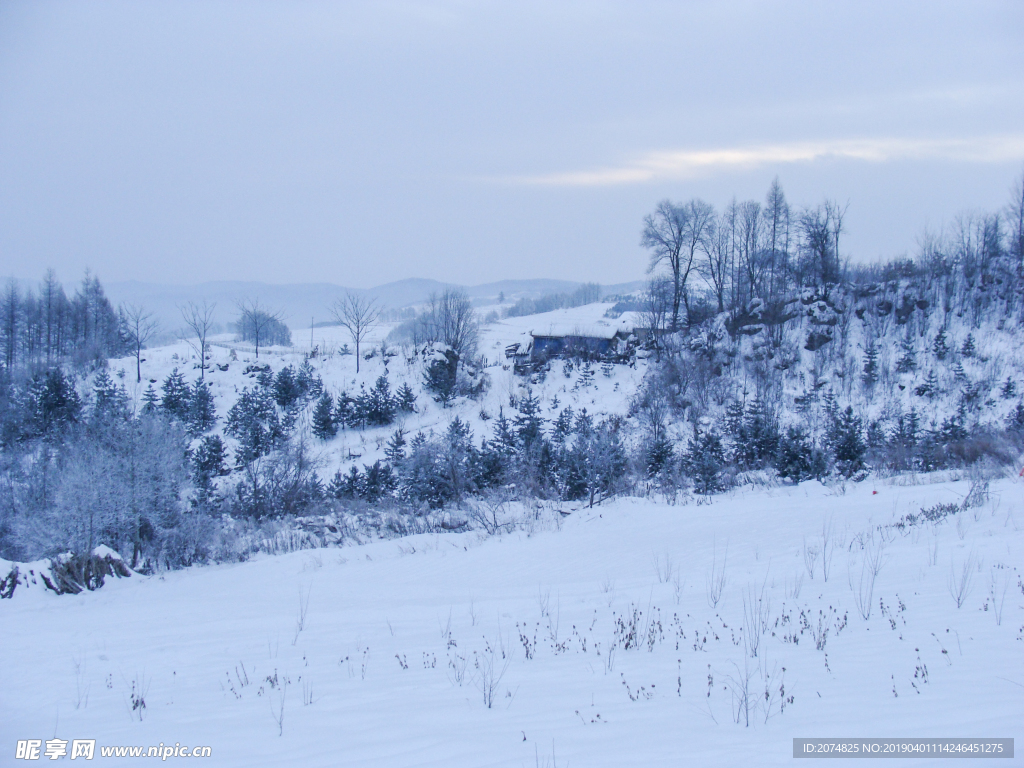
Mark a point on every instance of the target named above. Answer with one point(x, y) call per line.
point(451, 319)
point(199, 319)
point(776, 236)
point(1015, 219)
point(139, 327)
point(716, 268)
point(10, 319)
point(674, 234)
point(654, 308)
point(357, 314)
point(257, 320)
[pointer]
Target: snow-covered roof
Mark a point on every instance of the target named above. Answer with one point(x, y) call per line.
point(599, 329)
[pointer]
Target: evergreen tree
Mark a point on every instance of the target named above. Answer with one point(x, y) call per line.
point(758, 438)
point(395, 449)
point(286, 387)
point(336, 488)
point(529, 422)
point(940, 347)
point(309, 383)
point(1015, 420)
point(849, 447)
point(202, 413)
point(905, 433)
point(796, 457)
point(562, 427)
point(324, 426)
point(1009, 389)
point(418, 442)
point(967, 350)
point(930, 387)
point(175, 400)
point(958, 372)
point(734, 413)
point(704, 461)
point(109, 401)
point(658, 456)
point(254, 421)
point(441, 375)
point(953, 429)
point(343, 411)
point(406, 399)
point(869, 376)
point(380, 408)
point(505, 441)
point(150, 400)
point(378, 481)
point(55, 403)
point(908, 360)
point(209, 461)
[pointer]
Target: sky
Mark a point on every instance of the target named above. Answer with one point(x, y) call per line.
point(358, 143)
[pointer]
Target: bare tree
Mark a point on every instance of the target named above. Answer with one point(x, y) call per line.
point(1015, 218)
point(256, 321)
point(451, 319)
point(776, 237)
point(716, 269)
point(674, 233)
point(199, 319)
point(10, 318)
point(358, 314)
point(750, 247)
point(655, 305)
point(663, 235)
point(139, 327)
point(820, 229)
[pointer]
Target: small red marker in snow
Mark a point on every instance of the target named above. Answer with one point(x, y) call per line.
point(874, 493)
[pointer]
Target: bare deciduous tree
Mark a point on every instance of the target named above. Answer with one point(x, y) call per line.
point(139, 327)
point(674, 233)
point(1015, 218)
point(655, 307)
point(199, 319)
point(716, 269)
point(357, 314)
point(451, 319)
point(256, 320)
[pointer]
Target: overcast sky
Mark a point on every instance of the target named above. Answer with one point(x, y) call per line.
point(359, 143)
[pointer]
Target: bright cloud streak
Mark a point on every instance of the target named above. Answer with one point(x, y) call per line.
point(683, 164)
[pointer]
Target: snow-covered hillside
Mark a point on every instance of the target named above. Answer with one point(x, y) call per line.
point(592, 639)
point(602, 390)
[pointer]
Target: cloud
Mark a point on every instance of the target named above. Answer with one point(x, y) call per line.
point(685, 164)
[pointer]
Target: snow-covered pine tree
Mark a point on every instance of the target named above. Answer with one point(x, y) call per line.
point(406, 399)
point(704, 461)
point(869, 376)
point(202, 413)
point(967, 350)
point(908, 360)
point(175, 395)
point(150, 400)
point(324, 426)
point(394, 451)
point(940, 347)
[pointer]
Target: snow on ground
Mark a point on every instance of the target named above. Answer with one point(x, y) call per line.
point(398, 638)
point(608, 390)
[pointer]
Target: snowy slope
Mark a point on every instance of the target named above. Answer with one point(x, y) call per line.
point(603, 394)
point(388, 667)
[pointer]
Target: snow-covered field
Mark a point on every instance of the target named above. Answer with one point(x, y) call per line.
point(592, 636)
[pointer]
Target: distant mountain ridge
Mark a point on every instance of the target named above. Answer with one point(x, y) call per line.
point(302, 302)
